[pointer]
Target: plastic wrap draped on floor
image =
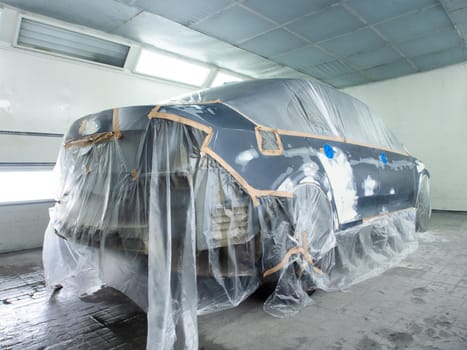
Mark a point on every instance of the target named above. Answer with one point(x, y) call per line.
point(180, 237)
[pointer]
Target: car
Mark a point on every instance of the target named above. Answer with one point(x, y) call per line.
point(281, 180)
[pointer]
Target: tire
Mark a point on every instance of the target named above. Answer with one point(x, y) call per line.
point(312, 216)
point(423, 208)
point(302, 224)
point(311, 213)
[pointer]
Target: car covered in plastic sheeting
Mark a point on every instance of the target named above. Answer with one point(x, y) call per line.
point(188, 206)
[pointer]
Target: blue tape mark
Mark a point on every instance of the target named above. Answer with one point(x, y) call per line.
point(383, 158)
point(328, 151)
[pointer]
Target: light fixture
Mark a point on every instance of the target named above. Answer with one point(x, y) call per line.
point(26, 185)
point(171, 68)
point(223, 78)
point(60, 41)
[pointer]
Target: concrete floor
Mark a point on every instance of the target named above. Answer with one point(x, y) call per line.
point(420, 304)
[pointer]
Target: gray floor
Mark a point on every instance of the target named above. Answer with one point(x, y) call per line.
point(420, 304)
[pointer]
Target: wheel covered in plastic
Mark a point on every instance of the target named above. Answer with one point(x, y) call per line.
point(312, 222)
point(300, 247)
point(423, 205)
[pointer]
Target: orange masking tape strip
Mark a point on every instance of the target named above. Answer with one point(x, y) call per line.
point(116, 123)
point(90, 140)
point(297, 250)
point(182, 120)
point(253, 192)
point(298, 133)
point(259, 140)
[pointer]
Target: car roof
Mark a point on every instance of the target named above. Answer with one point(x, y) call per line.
point(300, 105)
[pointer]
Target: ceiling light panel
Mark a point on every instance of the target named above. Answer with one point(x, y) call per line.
point(224, 78)
point(171, 68)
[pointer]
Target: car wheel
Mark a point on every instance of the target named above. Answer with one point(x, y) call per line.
point(312, 217)
point(423, 207)
point(297, 236)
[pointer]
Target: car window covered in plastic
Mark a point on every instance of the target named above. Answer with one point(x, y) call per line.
point(357, 127)
point(361, 125)
point(299, 104)
point(287, 104)
point(269, 141)
point(394, 141)
point(302, 106)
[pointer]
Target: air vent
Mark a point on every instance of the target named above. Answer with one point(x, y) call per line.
point(59, 41)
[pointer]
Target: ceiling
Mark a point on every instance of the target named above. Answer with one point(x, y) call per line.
point(342, 43)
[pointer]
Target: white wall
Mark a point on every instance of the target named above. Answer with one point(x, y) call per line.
point(22, 226)
point(41, 93)
point(428, 112)
point(45, 93)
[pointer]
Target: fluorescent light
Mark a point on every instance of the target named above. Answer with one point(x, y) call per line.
point(56, 40)
point(171, 68)
point(26, 185)
point(223, 78)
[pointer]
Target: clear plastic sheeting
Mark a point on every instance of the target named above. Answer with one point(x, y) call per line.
point(303, 106)
point(153, 211)
point(316, 257)
point(423, 204)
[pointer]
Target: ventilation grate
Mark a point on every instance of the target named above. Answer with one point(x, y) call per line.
point(59, 41)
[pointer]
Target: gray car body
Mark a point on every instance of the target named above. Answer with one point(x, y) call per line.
point(360, 181)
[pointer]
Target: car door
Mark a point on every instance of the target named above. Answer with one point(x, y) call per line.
point(355, 179)
point(398, 181)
